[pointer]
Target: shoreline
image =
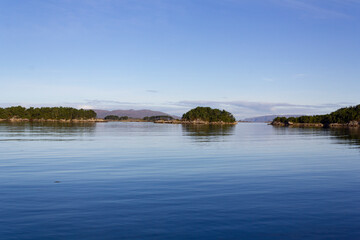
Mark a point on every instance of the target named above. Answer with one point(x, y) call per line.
point(352, 124)
point(193, 122)
point(52, 120)
point(128, 120)
point(103, 120)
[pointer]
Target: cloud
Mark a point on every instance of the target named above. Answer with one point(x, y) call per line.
point(110, 104)
point(299, 76)
point(85, 106)
point(240, 109)
point(324, 9)
point(152, 91)
point(243, 109)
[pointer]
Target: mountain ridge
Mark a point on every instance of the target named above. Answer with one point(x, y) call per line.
point(131, 113)
point(269, 118)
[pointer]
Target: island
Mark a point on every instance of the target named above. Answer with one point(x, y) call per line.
point(203, 115)
point(116, 118)
point(343, 117)
point(158, 118)
point(51, 114)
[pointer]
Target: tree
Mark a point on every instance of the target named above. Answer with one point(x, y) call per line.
point(112, 117)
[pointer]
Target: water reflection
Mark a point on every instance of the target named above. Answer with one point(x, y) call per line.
point(39, 131)
point(349, 136)
point(159, 181)
point(208, 133)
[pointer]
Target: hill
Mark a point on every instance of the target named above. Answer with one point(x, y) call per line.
point(131, 113)
point(267, 118)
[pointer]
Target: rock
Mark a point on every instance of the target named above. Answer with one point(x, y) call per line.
point(275, 123)
point(353, 124)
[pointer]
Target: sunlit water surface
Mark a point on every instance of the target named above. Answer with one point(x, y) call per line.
point(153, 181)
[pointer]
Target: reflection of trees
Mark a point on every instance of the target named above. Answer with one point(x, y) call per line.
point(206, 132)
point(349, 136)
point(45, 129)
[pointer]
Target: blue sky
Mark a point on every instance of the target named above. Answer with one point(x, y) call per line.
point(250, 57)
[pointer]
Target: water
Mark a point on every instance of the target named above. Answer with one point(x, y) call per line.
point(153, 181)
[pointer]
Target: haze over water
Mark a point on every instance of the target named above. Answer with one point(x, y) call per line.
point(152, 181)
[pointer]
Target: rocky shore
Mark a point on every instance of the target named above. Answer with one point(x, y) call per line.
point(128, 120)
point(194, 122)
point(352, 124)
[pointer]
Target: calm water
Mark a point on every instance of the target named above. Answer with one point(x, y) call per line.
point(148, 181)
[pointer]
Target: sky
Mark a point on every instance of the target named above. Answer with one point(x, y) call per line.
point(250, 57)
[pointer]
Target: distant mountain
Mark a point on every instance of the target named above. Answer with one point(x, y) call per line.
point(130, 113)
point(268, 118)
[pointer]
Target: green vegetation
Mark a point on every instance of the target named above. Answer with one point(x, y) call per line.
point(343, 116)
point(209, 115)
point(116, 118)
point(46, 113)
point(156, 118)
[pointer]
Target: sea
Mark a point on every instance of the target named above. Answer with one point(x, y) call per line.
point(117, 180)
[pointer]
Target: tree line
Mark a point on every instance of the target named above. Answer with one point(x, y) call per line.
point(209, 115)
point(156, 118)
point(116, 118)
point(342, 115)
point(55, 113)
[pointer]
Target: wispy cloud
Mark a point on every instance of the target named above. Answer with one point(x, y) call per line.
point(241, 109)
point(109, 104)
point(320, 9)
point(244, 108)
point(152, 91)
point(299, 76)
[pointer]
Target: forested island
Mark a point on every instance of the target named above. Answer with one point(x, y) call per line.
point(207, 114)
point(116, 118)
point(158, 118)
point(20, 113)
point(343, 117)
point(204, 115)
